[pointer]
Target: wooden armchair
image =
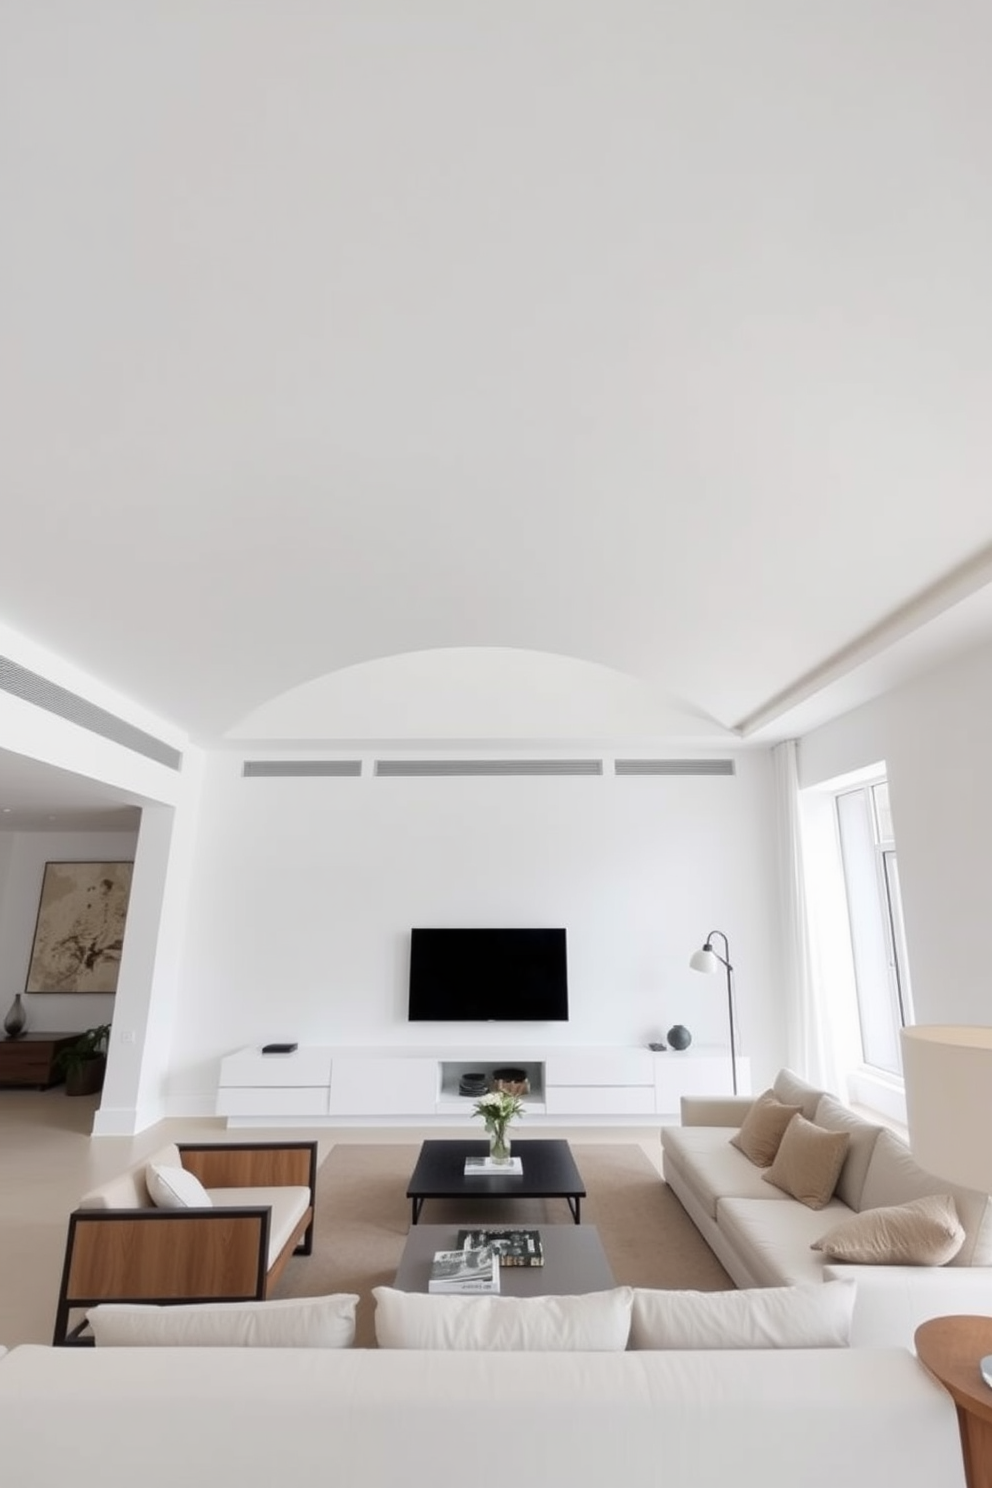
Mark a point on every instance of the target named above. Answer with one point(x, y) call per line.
point(120, 1248)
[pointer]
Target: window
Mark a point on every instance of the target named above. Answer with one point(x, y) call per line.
point(874, 906)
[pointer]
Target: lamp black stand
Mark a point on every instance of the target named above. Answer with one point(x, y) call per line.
point(702, 961)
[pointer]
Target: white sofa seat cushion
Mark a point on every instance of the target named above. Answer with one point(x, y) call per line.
point(288, 1205)
point(128, 1190)
point(773, 1240)
point(712, 1167)
point(894, 1177)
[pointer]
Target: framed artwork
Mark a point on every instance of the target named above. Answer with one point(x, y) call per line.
point(80, 930)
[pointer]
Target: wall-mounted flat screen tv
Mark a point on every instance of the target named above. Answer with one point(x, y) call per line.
point(505, 976)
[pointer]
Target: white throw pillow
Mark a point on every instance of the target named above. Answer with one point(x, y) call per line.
point(175, 1188)
point(817, 1315)
point(596, 1321)
point(297, 1322)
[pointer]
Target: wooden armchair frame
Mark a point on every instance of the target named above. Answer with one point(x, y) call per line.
point(187, 1255)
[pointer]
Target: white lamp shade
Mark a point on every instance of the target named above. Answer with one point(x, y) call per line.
point(948, 1077)
point(705, 961)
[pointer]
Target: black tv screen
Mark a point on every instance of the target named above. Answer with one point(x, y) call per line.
point(506, 976)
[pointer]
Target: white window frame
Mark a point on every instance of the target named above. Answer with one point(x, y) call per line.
point(877, 929)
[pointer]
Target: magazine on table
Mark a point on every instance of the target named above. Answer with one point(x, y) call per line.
point(514, 1247)
point(462, 1271)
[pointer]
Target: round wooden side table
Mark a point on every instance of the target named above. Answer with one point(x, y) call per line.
point(952, 1348)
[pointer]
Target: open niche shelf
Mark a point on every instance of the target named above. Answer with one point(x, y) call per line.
point(454, 1071)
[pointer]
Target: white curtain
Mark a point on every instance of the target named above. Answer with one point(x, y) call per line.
point(811, 1040)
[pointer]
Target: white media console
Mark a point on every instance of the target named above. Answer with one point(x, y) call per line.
point(316, 1086)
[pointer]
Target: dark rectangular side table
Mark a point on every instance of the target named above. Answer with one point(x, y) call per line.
point(30, 1059)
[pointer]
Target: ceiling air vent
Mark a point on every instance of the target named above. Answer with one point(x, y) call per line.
point(31, 688)
point(424, 768)
point(295, 769)
point(675, 767)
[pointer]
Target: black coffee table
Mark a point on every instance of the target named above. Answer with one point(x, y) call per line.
point(549, 1172)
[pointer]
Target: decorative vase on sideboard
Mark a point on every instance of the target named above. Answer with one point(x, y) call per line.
point(16, 1021)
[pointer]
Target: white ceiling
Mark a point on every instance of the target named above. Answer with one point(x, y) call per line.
point(652, 335)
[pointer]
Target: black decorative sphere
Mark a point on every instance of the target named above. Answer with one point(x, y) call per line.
point(679, 1037)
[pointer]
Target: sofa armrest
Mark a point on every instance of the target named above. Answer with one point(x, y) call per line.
point(891, 1301)
point(162, 1255)
point(252, 1164)
point(715, 1110)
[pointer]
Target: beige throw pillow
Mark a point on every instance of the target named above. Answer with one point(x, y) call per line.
point(808, 1162)
point(924, 1232)
point(762, 1129)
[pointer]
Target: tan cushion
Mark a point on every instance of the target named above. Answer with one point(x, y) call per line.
point(808, 1162)
point(793, 1091)
point(833, 1116)
point(894, 1177)
point(596, 1321)
point(296, 1322)
point(762, 1129)
point(924, 1232)
point(813, 1316)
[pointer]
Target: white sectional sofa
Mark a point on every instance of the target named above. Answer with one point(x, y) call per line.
point(253, 1417)
point(763, 1237)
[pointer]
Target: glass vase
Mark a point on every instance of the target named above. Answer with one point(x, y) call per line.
point(499, 1145)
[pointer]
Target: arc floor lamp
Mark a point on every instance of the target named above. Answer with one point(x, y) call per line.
point(707, 959)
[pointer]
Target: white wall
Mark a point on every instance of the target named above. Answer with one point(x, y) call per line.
point(304, 892)
point(935, 736)
point(24, 855)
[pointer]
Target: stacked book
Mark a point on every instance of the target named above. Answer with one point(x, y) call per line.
point(465, 1271)
point(484, 1167)
point(514, 1247)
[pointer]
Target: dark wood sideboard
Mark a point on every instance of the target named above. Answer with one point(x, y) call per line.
point(30, 1059)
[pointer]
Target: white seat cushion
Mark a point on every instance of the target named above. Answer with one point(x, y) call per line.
point(773, 1240)
point(288, 1205)
point(712, 1167)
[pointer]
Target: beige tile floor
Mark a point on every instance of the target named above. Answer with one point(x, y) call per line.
point(48, 1158)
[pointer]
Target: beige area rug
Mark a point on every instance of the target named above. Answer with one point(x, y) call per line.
point(363, 1217)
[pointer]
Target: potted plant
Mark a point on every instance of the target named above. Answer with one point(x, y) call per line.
point(84, 1063)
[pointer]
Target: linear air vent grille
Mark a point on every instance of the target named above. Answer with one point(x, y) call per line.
point(31, 688)
point(675, 767)
point(288, 769)
point(426, 768)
